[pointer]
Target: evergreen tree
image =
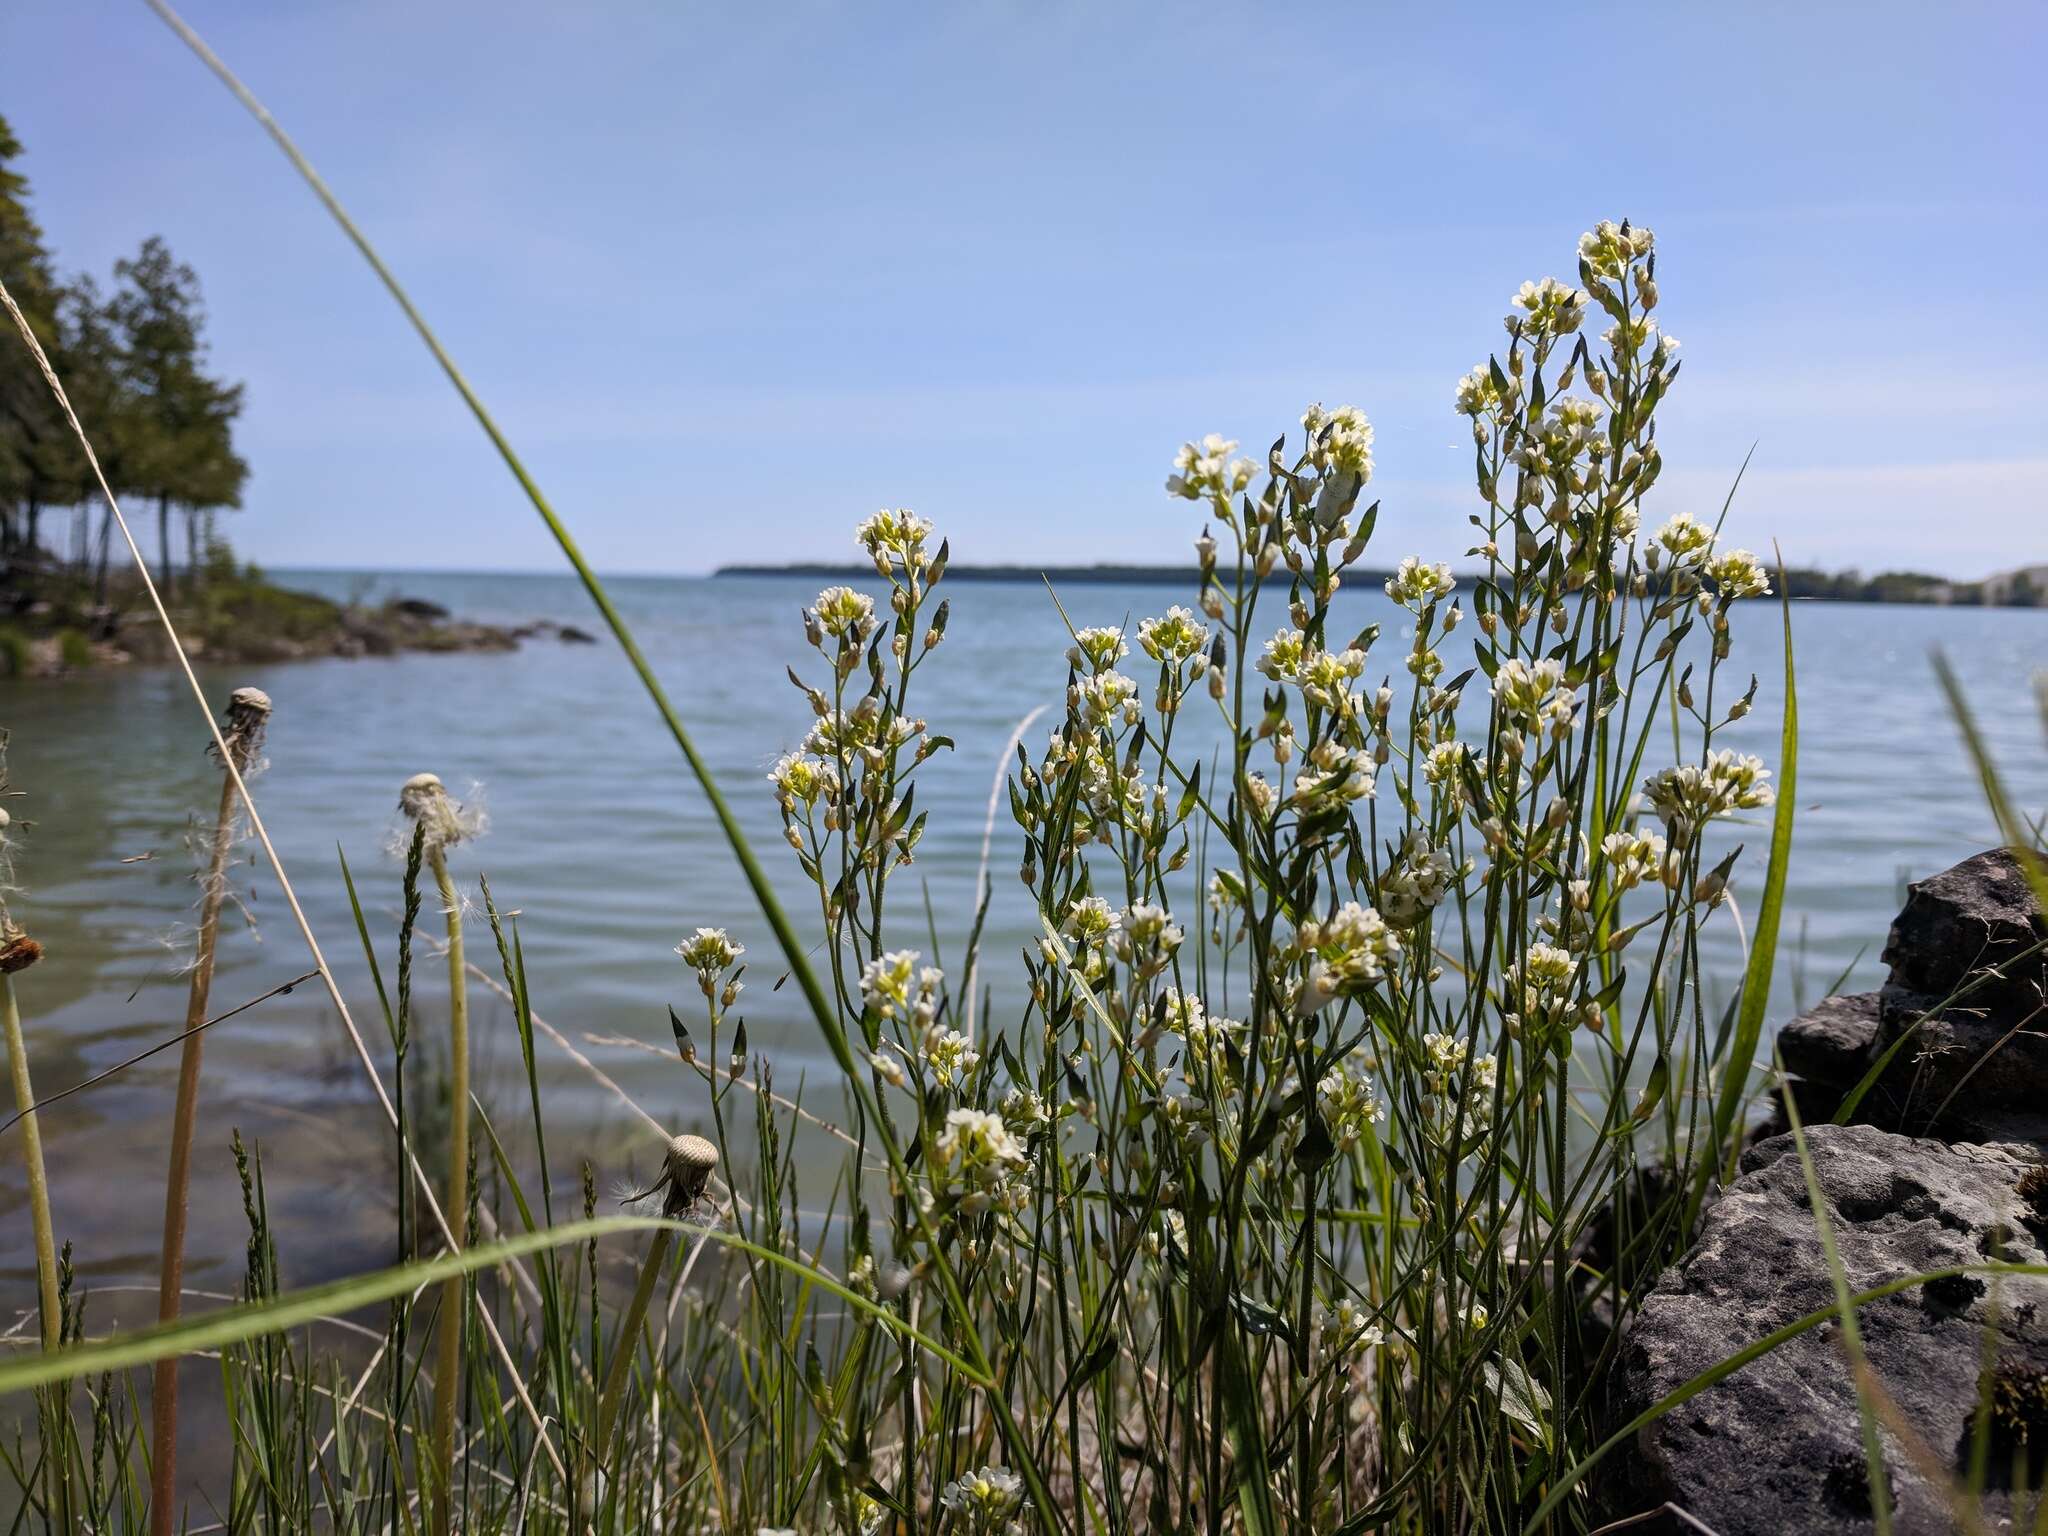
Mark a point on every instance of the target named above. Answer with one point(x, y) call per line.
point(89, 359)
point(181, 451)
point(31, 432)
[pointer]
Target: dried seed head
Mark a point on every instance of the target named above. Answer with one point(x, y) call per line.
point(447, 821)
point(17, 950)
point(419, 788)
point(248, 712)
point(688, 1169)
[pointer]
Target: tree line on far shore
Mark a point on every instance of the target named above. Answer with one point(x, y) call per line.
point(2016, 589)
point(134, 362)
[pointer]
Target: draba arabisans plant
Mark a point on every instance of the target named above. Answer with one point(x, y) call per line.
point(1368, 976)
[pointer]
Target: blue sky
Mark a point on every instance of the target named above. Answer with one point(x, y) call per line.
point(734, 276)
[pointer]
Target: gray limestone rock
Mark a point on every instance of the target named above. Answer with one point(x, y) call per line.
point(1776, 1449)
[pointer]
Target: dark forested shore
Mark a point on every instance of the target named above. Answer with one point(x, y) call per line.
point(2022, 588)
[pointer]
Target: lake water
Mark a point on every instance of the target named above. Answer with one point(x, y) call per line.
point(602, 842)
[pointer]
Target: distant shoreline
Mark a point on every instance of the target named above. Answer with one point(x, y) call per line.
point(2026, 588)
point(1118, 575)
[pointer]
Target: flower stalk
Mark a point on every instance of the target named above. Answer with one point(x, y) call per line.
point(686, 1169)
point(17, 952)
point(248, 713)
point(446, 823)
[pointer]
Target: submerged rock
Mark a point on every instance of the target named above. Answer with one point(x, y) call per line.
point(1777, 1448)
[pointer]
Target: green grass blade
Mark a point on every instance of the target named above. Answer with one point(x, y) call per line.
point(2012, 827)
point(1763, 945)
point(793, 948)
point(1852, 1335)
point(238, 1325)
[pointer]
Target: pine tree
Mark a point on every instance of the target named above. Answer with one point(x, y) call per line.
point(31, 434)
point(182, 449)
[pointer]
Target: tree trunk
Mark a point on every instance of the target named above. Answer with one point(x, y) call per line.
point(99, 581)
point(35, 517)
point(192, 548)
point(163, 539)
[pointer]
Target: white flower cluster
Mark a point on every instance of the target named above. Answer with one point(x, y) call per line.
point(1685, 538)
point(1146, 938)
point(985, 1499)
point(1332, 773)
point(1350, 951)
point(1444, 767)
point(1415, 585)
point(1339, 440)
point(801, 780)
point(1633, 858)
point(1534, 695)
point(859, 731)
point(894, 986)
point(1098, 648)
point(949, 1056)
point(895, 540)
point(1568, 431)
point(1738, 573)
point(1547, 309)
point(1175, 637)
point(710, 951)
point(1325, 678)
point(975, 1154)
point(845, 614)
point(1608, 248)
point(1208, 1038)
point(1417, 883)
point(1451, 1078)
point(1687, 797)
point(1349, 1102)
point(1282, 659)
point(1207, 469)
point(1346, 1332)
point(1479, 394)
point(1536, 991)
point(1105, 698)
point(1092, 921)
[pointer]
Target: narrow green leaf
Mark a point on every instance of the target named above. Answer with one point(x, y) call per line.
point(1763, 943)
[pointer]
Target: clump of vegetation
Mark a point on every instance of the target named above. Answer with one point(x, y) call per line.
point(1367, 981)
point(135, 362)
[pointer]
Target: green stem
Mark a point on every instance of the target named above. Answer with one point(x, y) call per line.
point(32, 1155)
point(621, 1370)
point(448, 1340)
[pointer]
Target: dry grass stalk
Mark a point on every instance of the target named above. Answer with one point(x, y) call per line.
point(248, 712)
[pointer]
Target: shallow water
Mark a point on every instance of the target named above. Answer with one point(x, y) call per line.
point(603, 844)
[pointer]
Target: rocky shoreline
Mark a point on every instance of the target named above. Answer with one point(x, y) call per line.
point(1941, 1166)
point(259, 625)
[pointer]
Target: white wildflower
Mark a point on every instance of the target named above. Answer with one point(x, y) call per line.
point(1175, 637)
point(1548, 308)
point(710, 951)
point(1099, 647)
point(895, 539)
point(843, 611)
point(1414, 584)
